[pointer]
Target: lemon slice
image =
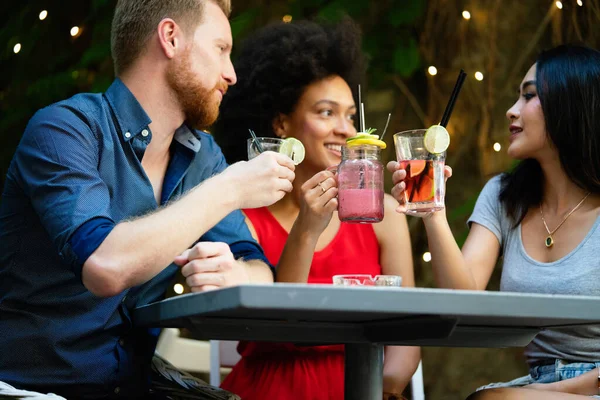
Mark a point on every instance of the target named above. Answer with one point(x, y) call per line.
point(366, 140)
point(436, 139)
point(294, 149)
point(362, 136)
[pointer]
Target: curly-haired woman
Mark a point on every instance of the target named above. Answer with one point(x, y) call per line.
point(295, 80)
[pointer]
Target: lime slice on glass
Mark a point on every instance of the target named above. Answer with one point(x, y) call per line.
point(436, 139)
point(294, 149)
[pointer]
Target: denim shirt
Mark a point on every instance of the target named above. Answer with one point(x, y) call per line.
point(76, 174)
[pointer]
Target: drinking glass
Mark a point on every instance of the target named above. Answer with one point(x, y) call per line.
point(266, 143)
point(425, 182)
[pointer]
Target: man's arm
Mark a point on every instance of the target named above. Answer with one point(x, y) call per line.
point(56, 165)
point(137, 250)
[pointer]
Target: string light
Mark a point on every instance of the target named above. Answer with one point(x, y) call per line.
point(74, 31)
point(432, 70)
point(559, 5)
point(178, 288)
point(427, 256)
point(478, 76)
point(17, 48)
point(287, 19)
point(43, 15)
point(466, 15)
point(580, 3)
point(497, 147)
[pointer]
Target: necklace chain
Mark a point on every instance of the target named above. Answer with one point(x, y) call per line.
point(549, 241)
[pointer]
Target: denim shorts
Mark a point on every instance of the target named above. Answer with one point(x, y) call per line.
point(559, 371)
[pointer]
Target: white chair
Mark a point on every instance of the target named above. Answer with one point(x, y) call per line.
point(188, 355)
point(224, 354)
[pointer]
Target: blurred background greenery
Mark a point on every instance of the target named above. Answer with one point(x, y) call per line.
point(53, 49)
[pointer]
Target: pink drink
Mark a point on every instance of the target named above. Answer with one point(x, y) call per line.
point(360, 184)
point(360, 205)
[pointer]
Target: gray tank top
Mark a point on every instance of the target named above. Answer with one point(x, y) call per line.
point(577, 273)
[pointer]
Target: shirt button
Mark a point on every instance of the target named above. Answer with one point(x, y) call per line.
point(124, 299)
point(145, 132)
point(127, 135)
point(117, 390)
point(122, 342)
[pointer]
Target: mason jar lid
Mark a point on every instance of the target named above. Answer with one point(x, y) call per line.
point(363, 151)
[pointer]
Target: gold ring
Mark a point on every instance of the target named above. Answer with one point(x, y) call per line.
point(322, 188)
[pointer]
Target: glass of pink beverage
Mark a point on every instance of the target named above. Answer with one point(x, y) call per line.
point(360, 184)
point(425, 181)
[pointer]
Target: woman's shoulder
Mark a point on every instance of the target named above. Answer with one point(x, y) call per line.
point(490, 194)
point(494, 184)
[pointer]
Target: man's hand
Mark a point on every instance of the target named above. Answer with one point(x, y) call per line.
point(211, 265)
point(261, 181)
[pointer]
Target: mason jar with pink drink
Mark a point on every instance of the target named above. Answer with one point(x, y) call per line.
point(360, 182)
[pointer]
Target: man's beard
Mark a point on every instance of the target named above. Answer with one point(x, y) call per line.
point(197, 102)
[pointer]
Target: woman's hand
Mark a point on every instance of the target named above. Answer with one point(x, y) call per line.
point(318, 202)
point(398, 179)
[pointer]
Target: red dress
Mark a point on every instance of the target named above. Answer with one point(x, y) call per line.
point(284, 371)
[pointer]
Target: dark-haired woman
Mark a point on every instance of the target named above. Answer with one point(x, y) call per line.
point(295, 81)
point(543, 216)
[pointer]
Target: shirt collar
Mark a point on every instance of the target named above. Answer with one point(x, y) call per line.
point(188, 137)
point(131, 117)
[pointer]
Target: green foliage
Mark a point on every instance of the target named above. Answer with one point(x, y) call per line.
point(242, 23)
point(336, 9)
point(406, 12)
point(406, 58)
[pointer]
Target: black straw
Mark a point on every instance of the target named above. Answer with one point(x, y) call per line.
point(459, 82)
point(256, 142)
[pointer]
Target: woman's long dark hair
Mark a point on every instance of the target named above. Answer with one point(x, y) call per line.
point(568, 85)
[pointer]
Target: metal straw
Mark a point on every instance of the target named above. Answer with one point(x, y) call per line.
point(256, 142)
point(386, 126)
point(360, 117)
